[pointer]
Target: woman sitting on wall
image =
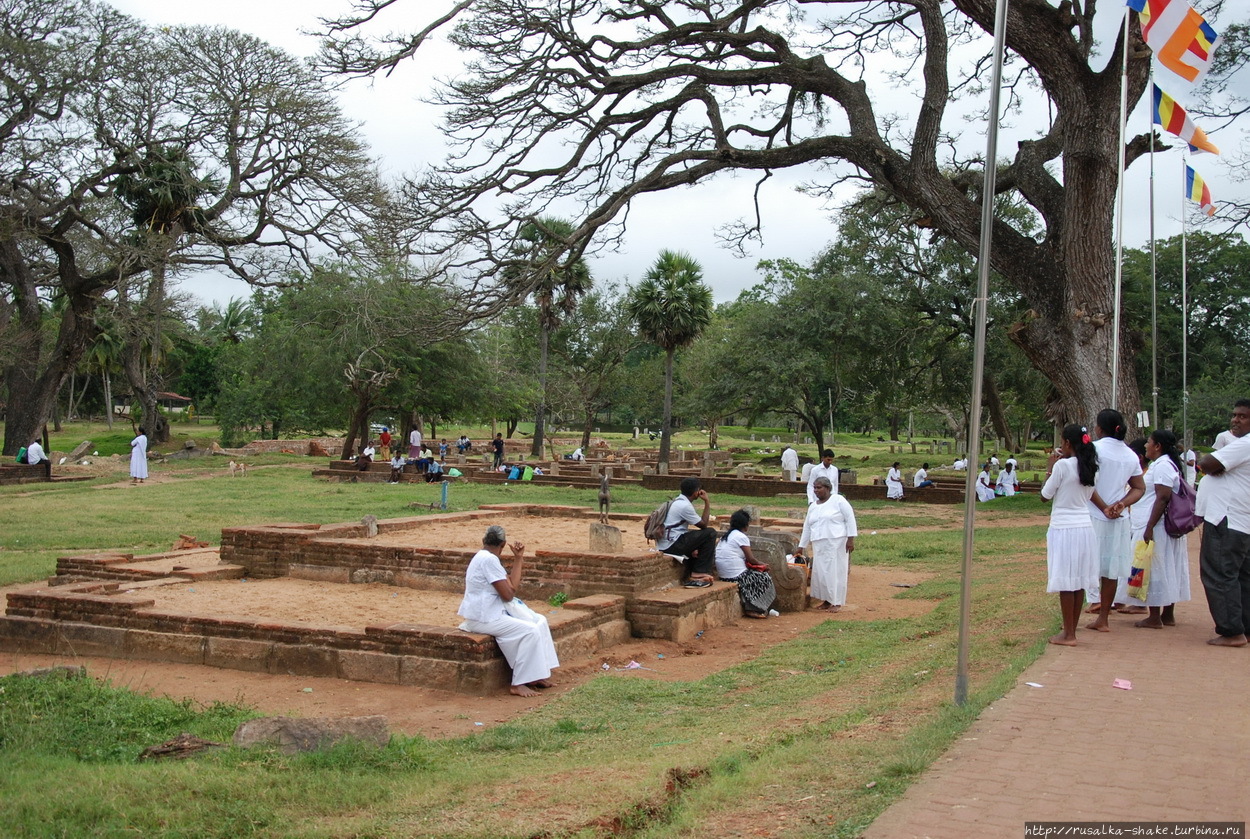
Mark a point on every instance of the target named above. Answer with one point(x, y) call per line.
point(736, 564)
point(490, 607)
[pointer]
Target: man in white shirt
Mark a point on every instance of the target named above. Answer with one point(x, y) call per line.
point(1224, 502)
point(1011, 461)
point(414, 444)
point(1119, 484)
point(824, 469)
point(696, 548)
point(1190, 459)
point(577, 454)
point(34, 454)
point(789, 464)
point(1237, 427)
point(921, 478)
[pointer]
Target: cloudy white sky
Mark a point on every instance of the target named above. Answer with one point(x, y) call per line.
point(403, 135)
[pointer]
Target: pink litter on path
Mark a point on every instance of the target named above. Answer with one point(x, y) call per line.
point(1122, 684)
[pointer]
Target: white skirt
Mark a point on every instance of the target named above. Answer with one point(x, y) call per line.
point(1169, 571)
point(830, 566)
point(1115, 546)
point(1071, 559)
point(527, 646)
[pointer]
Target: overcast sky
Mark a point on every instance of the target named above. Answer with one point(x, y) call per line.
point(402, 133)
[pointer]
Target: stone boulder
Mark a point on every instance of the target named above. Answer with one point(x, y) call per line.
point(789, 580)
point(292, 735)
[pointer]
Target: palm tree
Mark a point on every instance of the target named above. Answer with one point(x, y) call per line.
point(555, 289)
point(672, 307)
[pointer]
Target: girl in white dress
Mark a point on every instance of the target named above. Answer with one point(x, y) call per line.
point(894, 483)
point(1169, 567)
point(830, 530)
point(486, 608)
point(985, 489)
point(1071, 546)
point(139, 457)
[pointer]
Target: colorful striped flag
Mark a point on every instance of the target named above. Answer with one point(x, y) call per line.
point(1196, 190)
point(1181, 38)
point(1173, 118)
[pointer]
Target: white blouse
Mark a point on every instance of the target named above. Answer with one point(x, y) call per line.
point(833, 519)
point(481, 601)
point(1071, 497)
point(731, 561)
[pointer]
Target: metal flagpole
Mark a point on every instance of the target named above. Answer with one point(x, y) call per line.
point(1154, 286)
point(1119, 227)
point(978, 354)
point(1184, 313)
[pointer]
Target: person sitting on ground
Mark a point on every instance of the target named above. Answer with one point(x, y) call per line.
point(894, 483)
point(35, 455)
point(960, 464)
point(576, 455)
point(921, 478)
point(1008, 481)
point(463, 444)
point(985, 487)
point(488, 607)
point(434, 471)
point(397, 467)
point(736, 564)
point(830, 530)
point(695, 548)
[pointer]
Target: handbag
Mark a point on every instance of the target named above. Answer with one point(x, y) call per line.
point(1179, 517)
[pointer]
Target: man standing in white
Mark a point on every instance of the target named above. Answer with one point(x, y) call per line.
point(1236, 428)
point(1119, 484)
point(1190, 461)
point(824, 469)
point(1224, 502)
point(789, 464)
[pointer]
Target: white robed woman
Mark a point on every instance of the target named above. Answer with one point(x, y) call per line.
point(139, 457)
point(490, 607)
point(1008, 481)
point(830, 530)
point(1169, 566)
point(985, 488)
point(894, 483)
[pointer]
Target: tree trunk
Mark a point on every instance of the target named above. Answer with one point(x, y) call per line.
point(510, 426)
point(586, 426)
point(998, 415)
point(896, 423)
point(108, 399)
point(666, 428)
point(544, 336)
point(713, 433)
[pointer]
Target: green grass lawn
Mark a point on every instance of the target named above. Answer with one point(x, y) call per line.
point(825, 730)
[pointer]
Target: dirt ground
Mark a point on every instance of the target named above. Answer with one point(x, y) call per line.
point(436, 713)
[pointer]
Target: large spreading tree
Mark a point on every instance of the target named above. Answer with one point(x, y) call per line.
point(96, 111)
point(592, 103)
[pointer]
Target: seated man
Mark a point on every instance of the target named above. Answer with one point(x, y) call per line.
point(921, 478)
point(397, 467)
point(576, 455)
point(433, 472)
point(366, 457)
point(695, 548)
point(463, 444)
point(35, 455)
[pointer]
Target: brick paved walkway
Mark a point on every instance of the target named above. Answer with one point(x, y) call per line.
point(1176, 747)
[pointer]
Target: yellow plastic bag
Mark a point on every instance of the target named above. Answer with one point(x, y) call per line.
point(1139, 577)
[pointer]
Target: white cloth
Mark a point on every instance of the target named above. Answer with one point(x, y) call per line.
point(527, 646)
point(1071, 558)
point(805, 472)
point(1070, 496)
point(993, 461)
point(1228, 493)
point(1169, 567)
point(1190, 459)
point(820, 470)
point(1117, 463)
point(920, 477)
point(832, 519)
point(1115, 548)
point(1007, 482)
point(577, 454)
point(789, 463)
point(1011, 461)
point(681, 516)
point(893, 483)
point(34, 453)
point(139, 457)
point(369, 452)
point(731, 561)
point(414, 439)
point(1223, 439)
point(985, 488)
point(960, 465)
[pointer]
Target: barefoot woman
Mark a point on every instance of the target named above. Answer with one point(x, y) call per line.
point(488, 591)
point(1071, 546)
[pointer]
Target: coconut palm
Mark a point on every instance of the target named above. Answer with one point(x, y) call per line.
point(555, 289)
point(672, 307)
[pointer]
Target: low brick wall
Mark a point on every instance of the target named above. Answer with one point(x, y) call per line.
point(70, 622)
point(25, 473)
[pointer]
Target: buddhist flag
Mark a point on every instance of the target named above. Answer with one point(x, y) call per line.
point(1180, 37)
point(1196, 190)
point(1173, 118)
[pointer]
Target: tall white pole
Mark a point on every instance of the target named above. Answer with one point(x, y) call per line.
point(1154, 286)
point(1184, 314)
point(978, 354)
point(1119, 227)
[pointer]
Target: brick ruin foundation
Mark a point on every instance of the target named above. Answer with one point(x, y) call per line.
point(106, 604)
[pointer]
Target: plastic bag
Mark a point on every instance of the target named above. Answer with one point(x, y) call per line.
point(517, 609)
point(1139, 576)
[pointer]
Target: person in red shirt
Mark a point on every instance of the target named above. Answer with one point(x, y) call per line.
point(384, 442)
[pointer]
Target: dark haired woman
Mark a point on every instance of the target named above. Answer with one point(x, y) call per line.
point(830, 530)
point(1071, 546)
point(1169, 567)
point(1119, 485)
point(736, 564)
point(894, 483)
point(523, 636)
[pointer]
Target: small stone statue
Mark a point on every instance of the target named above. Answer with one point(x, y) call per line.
point(605, 500)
